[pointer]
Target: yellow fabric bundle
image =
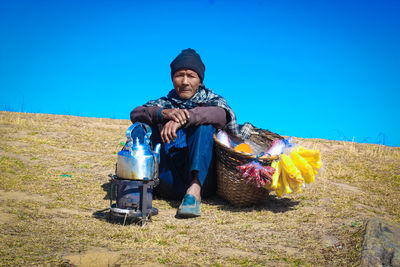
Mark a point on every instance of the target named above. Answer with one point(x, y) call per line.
point(291, 172)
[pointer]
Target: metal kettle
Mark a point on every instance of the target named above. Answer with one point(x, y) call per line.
point(136, 161)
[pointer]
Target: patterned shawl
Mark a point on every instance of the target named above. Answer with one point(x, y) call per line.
point(204, 97)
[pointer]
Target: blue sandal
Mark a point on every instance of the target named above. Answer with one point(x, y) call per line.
point(189, 207)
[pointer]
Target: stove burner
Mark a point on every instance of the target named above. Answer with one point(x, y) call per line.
point(133, 199)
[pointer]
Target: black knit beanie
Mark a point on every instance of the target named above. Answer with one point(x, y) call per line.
point(188, 59)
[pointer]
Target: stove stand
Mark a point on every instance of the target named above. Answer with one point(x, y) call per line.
point(133, 200)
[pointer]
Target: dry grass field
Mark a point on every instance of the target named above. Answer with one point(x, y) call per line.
point(53, 187)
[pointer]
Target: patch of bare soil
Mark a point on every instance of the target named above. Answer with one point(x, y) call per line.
point(94, 257)
point(347, 187)
point(66, 212)
point(21, 196)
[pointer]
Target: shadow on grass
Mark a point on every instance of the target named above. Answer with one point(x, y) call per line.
point(106, 187)
point(272, 203)
point(173, 203)
point(105, 215)
point(101, 214)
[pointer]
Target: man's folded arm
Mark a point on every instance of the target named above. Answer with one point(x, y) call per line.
point(216, 116)
point(147, 115)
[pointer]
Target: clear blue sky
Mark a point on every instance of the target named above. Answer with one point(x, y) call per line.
point(314, 69)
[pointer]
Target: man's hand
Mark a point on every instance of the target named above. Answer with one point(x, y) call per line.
point(177, 115)
point(169, 130)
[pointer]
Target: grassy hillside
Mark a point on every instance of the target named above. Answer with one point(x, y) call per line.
point(54, 179)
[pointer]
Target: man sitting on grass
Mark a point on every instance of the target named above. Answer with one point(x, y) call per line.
point(185, 121)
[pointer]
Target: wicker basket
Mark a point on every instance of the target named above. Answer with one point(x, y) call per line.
point(231, 185)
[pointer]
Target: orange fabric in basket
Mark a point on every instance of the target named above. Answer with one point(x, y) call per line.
point(243, 147)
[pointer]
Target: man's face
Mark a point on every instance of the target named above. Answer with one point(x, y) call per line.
point(186, 82)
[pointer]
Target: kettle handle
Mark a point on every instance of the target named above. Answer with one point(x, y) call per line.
point(146, 128)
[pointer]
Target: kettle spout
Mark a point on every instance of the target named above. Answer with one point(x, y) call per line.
point(157, 152)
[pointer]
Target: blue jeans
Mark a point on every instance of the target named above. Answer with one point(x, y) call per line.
point(191, 151)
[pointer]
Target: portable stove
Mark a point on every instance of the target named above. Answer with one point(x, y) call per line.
point(136, 176)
